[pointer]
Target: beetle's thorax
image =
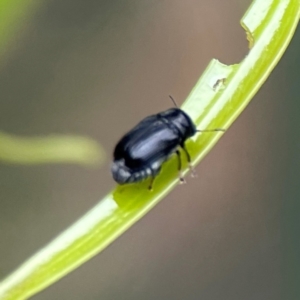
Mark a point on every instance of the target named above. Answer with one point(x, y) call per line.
point(178, 120)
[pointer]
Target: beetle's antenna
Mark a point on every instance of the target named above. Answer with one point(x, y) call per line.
point(174, 102)
point(211, 130)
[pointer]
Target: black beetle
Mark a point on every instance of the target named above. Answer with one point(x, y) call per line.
point(141, 152)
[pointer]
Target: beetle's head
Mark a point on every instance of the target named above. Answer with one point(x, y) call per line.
point(181, 121)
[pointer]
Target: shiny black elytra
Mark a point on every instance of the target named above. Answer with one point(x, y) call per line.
point(141, 152)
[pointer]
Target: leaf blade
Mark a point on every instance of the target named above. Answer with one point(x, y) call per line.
point(126, 205)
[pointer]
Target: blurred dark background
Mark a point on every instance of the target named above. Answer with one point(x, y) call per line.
point(95, 68)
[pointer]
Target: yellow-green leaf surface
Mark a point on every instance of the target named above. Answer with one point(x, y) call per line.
point(51, 149)
point(213, 102)
point(15, 15)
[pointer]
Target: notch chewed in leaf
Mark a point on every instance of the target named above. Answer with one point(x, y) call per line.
point(269, 26)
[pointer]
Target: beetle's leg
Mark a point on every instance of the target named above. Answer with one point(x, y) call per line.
point(152, 177)
point(181, 179)
point(150, 187)
point(154, 171)
point(188, 157)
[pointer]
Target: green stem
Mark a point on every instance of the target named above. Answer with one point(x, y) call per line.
point(51, 149)
point(270, 25)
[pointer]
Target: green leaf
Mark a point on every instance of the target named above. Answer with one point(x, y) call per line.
point(269, 26)
point(15, 16)
point(51, 149)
